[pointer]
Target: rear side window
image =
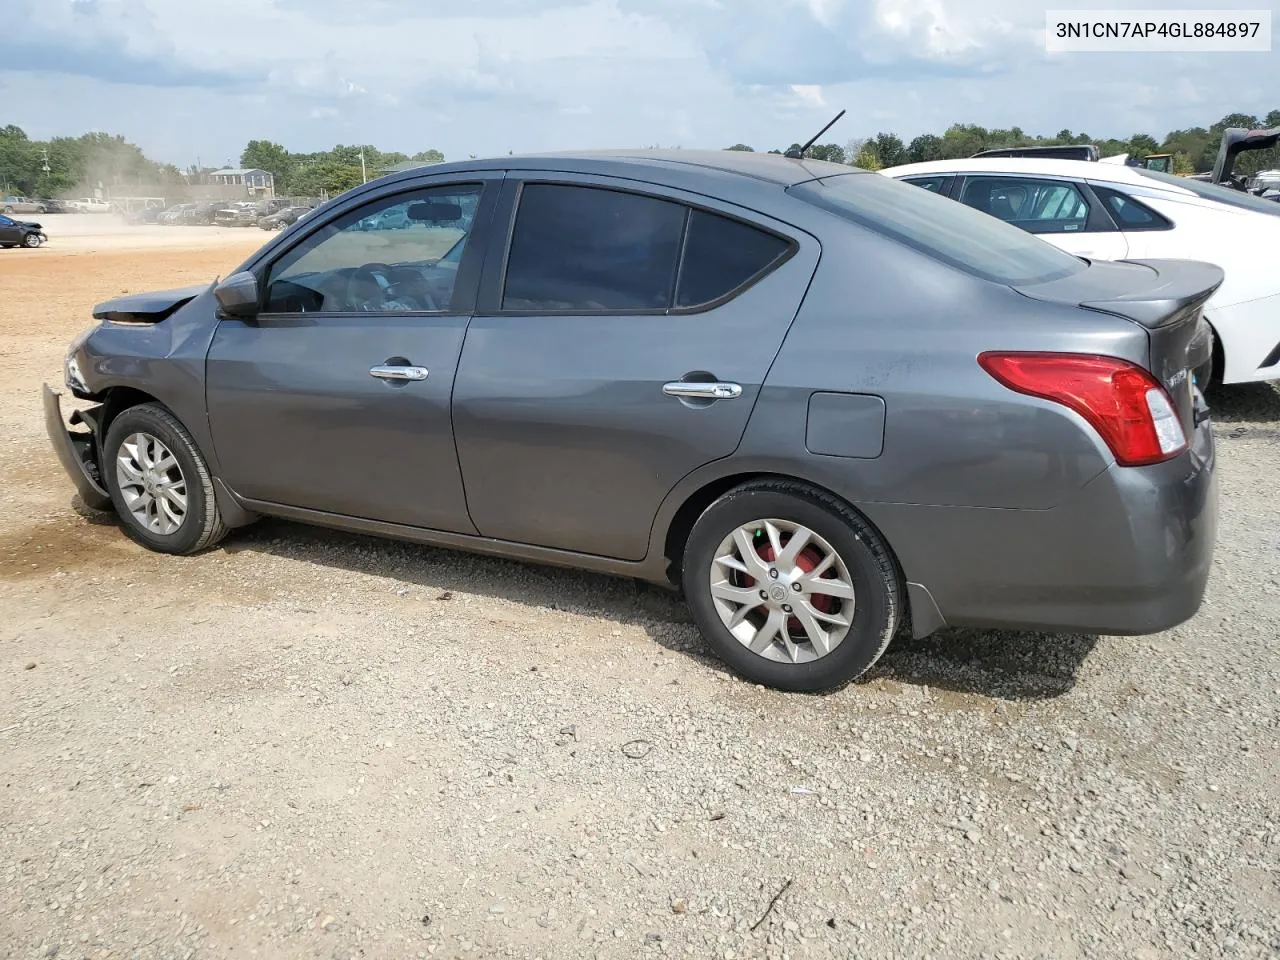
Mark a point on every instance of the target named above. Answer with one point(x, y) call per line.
point(583, 248)
point(597, 249)
point(952, 232)
point(1129, 213)
point(1040, 206)
point(720, 255)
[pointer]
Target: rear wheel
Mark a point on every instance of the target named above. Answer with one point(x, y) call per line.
point(791, 587)
point(159, 483)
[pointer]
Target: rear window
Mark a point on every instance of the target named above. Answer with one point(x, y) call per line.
point(1215, 191)
point(943, 229)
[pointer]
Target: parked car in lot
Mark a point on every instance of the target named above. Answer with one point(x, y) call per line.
point(282, 218)
point(821, 402)
point(243, 214)
point(202, 213)
point(91, 205)
point(17, 204)
point(1118, 212)
point(172, 216)
point(20, 233)
point(55, 206)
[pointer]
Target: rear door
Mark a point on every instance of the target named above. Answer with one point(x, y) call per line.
point(1060, 211)
point(621, 339)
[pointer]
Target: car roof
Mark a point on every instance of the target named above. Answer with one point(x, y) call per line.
point(654, 164)
point(1083, 169)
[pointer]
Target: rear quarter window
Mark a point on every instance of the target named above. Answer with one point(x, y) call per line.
point(958, 235)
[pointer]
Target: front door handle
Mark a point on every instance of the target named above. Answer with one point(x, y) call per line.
point(396, 372)
point(702, 391)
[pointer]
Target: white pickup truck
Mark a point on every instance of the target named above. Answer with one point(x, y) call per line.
point(90, 205)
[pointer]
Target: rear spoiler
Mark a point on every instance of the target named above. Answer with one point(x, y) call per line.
point(1235, 141)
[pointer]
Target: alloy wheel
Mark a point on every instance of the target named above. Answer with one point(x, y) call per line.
point(151, 483)
point(782, 591)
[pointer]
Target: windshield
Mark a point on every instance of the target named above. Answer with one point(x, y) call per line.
point(952, 232)
point(1216, 192)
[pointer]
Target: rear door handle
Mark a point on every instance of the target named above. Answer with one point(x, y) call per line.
point(391, 372)
point(702, 391)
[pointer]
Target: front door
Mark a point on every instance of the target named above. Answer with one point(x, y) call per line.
point(620, 344)
point(1055, 210)
point(336, 398)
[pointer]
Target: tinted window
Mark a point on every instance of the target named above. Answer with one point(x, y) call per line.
point(587, 248)
point(932, 184)
point(1040, 206)
point(1129, 214)
point(943, 229)
point(382, 257)
point(721, 255)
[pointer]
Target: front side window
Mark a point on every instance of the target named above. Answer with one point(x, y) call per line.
point(1039, 206)
point(5, 221)
point(388, 256)
point(940, 228)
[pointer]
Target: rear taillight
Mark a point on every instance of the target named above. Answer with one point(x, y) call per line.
point(1122, 401)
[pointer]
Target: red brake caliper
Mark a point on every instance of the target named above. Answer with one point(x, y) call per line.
point(808, 560)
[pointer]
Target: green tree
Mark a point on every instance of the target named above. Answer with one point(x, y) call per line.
point(831, 152)
point(889, 149)
point(1140, 144)
point(868, 158)
point(742, 147)
point(924, 147)
point(266, 155)
point(326, 175)
point(429, 156)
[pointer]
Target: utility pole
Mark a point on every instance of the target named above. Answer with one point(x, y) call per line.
point(364, 176)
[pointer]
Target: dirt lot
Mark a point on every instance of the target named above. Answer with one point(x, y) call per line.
point(306, 744)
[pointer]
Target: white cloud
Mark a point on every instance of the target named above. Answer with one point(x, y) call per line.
point(188, 77)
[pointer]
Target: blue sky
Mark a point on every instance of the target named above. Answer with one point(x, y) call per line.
point(198, 78)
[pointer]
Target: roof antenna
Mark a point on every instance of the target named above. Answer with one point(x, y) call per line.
point(799, 154)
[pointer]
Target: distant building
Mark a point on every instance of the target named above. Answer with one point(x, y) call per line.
point(254, 181)
point(404, 165)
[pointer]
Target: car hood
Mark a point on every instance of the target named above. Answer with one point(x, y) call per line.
point(27, 223)
point(147, 307)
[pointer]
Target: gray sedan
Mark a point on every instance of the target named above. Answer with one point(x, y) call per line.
point(824, 404)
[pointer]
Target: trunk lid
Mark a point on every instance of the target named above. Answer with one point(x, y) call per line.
point(1164, 297)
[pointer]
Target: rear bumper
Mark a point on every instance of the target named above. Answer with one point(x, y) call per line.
point(77, 452)
point(1130, 554)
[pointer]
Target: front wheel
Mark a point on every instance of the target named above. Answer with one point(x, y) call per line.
point(791, 587)
point(159, 483)
point(32, 240)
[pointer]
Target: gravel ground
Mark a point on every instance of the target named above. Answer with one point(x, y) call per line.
point(307, 744)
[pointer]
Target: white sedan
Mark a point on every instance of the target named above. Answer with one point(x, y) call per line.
point(1115, 212)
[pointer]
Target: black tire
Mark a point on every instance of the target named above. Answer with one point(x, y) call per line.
point(32, 240)
point(202, 525)
point(871, 566)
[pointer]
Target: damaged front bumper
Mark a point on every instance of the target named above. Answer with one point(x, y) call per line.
point(77, 450)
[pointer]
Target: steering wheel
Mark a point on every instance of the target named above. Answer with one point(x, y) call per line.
point(374, 274)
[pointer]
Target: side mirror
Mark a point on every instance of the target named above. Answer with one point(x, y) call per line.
point(238, 296)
